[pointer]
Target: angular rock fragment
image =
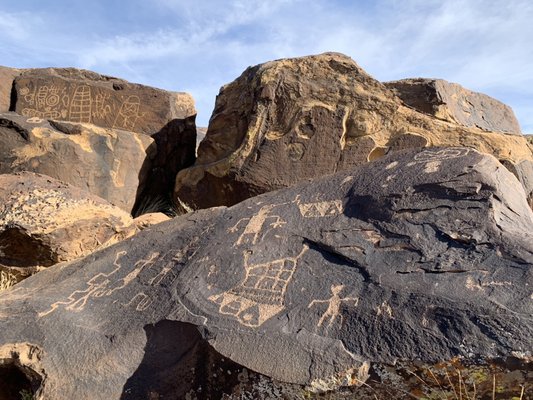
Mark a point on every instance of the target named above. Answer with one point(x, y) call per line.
point(292, 120)
point(452, 102)
point(44, 221)
point(422, 256)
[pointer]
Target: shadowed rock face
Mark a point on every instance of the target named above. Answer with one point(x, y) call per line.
point(44, 221)
point(423, 255)
point(292, 120)
point(452, 102)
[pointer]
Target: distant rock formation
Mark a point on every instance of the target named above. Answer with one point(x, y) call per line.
point(82, 97)
point(453, 103)
point(292, 120)
point(421, 257)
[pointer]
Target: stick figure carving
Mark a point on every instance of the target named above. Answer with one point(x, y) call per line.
point(334, 306)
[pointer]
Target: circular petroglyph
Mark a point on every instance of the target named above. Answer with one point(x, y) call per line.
point(34, 120)
point(295, 151)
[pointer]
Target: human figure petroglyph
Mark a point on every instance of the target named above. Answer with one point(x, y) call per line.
point(318, 209)
point(260, 295)
point(254, 227)
point(100, 284)
point(334, 306)
point(128, 113)
point(77, 300)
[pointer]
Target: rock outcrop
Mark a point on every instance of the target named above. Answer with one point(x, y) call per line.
point(291, 120)
point(421, 255)
point(453, 103)
point(79, 97)
point(109, 163)
point(44, 221)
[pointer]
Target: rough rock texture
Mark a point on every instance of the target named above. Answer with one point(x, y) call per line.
point(200, 135)
point(421, 255)
point(452, 102)
point(290, 120)
point(109, 163)
point(85, 97)
point(147, 220)
point(82, 96)
point(44, 221)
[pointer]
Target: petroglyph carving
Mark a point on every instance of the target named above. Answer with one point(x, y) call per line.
point(319, 209)
point(295, 151)
point(254, 227)
point(81, 105)
point(128, 113)
point(101, 109)
point(440, 155)
point(141, 301)
point(260, 295)
point(34, 120)
point(334, 303)
point(101, 285)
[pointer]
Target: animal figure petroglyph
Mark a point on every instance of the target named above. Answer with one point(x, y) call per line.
point(334, 306)
point(319, 209)
point(260, 295)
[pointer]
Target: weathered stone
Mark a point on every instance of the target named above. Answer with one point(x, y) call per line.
point(422, 256)
point(44, 221)
point(149, 219)
point(452, 102)
point(291, 120)
point(109, 163)
point(200, 135)
point(7, 77)
point(87, 97)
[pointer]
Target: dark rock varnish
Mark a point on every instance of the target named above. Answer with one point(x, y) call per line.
point(422, 256)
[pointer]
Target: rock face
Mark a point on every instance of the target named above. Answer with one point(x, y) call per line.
point(452, 102)
point(44, 221)
point(83, 97)
point(421, 255)
point(109, 163)
point(291, 120)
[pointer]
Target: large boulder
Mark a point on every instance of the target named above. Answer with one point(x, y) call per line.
point(418, 257)
point(44, 221)
point(109, 163)
point(85, 97)
point(452, 102)
point(290, 120)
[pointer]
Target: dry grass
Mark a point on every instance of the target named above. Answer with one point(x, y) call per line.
point(7, 280)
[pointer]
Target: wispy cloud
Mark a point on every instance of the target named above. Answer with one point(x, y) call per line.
point(198, 46)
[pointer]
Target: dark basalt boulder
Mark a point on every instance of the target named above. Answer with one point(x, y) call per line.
point(419, 257)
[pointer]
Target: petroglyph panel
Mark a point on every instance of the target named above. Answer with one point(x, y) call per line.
point(54, 98)
point(260, 295)
point(430, 155)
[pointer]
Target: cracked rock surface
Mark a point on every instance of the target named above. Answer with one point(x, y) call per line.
point(422, 255)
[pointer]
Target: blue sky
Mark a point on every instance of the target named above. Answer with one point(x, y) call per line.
point(197, 46)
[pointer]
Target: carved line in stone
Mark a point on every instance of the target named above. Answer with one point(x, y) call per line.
point(260, 295)
point(319, 209)
point(440, 155)
point(254, 227)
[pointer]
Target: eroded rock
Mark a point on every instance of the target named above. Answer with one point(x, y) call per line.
point(421, 255)
point(44, 221)
point(452, 102)
point(292, 120)
point(111, 164)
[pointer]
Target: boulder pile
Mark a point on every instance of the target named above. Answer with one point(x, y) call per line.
point(339, 236)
